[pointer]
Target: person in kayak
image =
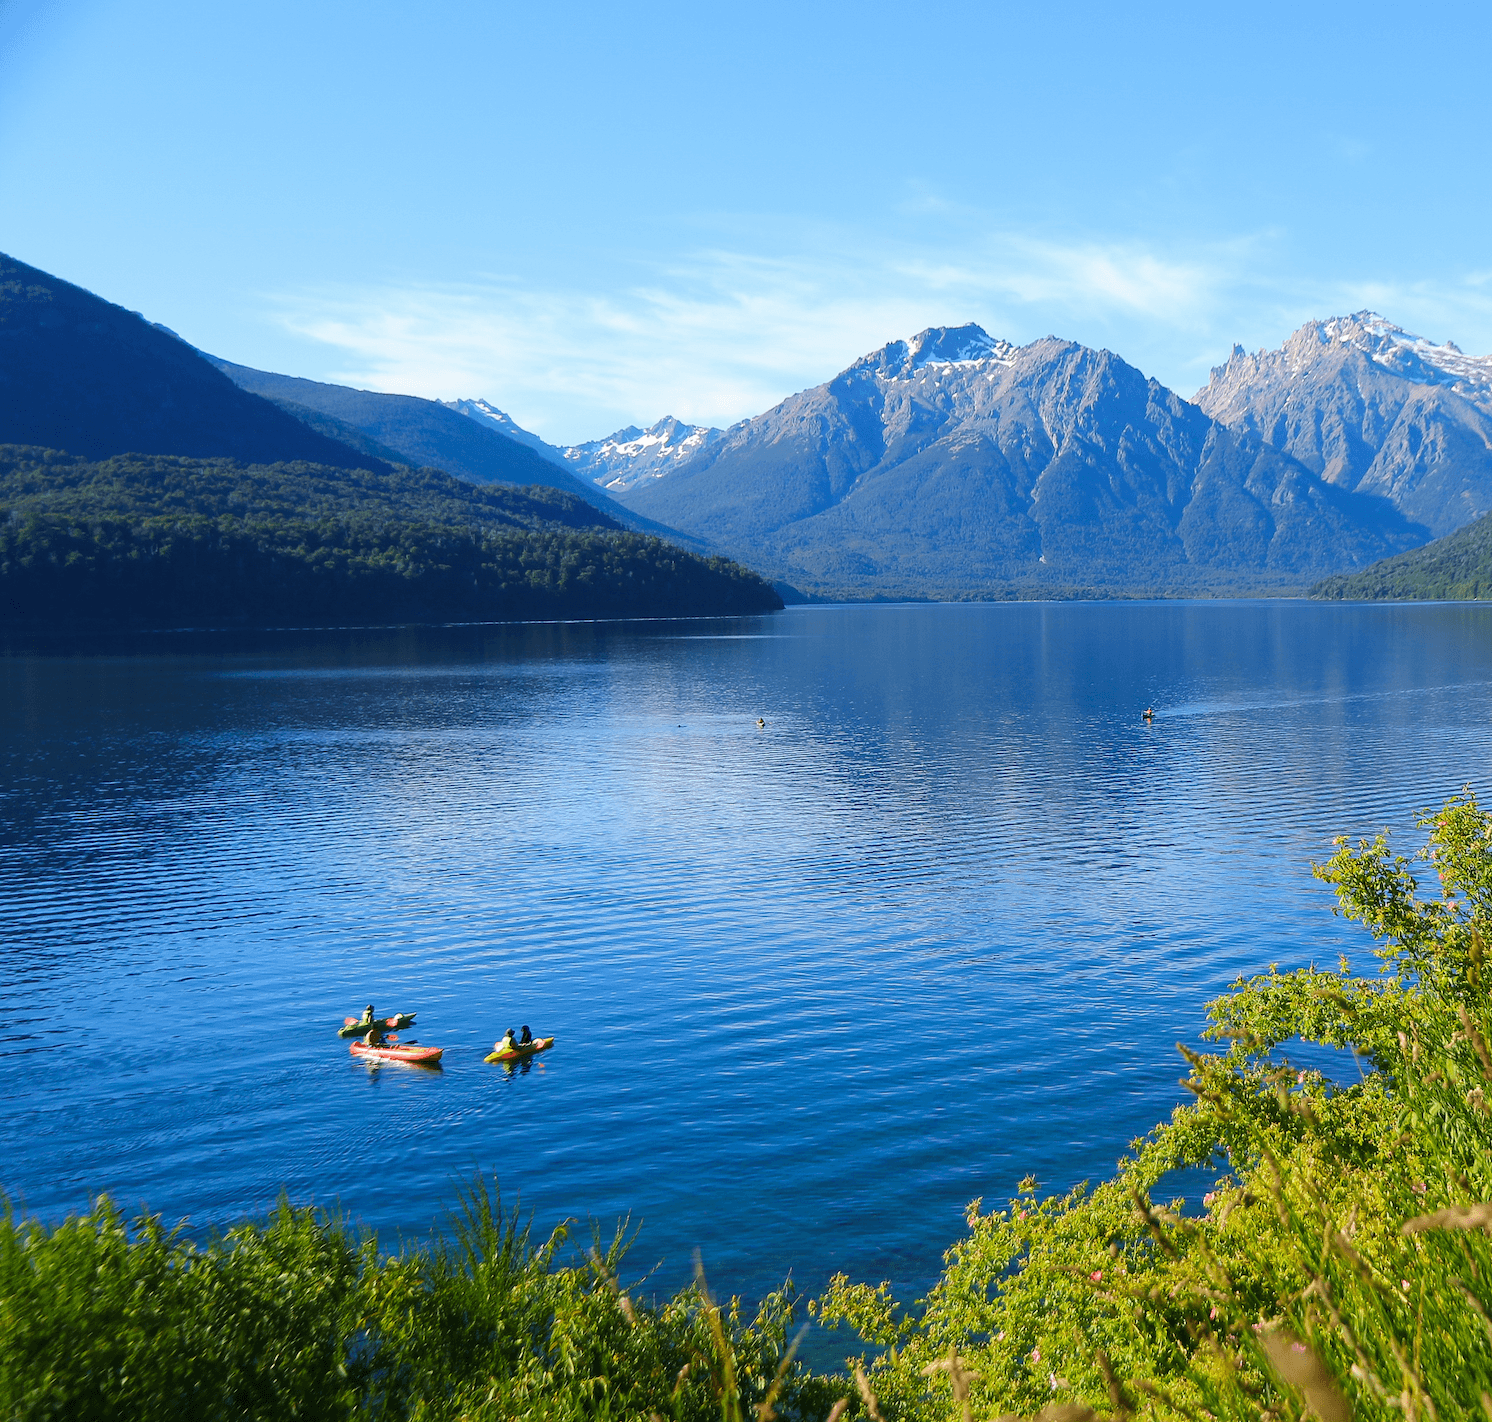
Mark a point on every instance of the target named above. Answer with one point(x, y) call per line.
point(374, 1037)
point(527, 1038)
point(507, 1044)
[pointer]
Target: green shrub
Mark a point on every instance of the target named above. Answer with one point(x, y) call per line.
point(1340, 1261)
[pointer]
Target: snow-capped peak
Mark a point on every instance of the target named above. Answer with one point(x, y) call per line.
point(633, 456)
point(956, 345)
point(1406, 354)
point(968, 345)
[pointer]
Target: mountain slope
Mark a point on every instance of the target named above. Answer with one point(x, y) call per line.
point(81, 374)
point(424, 432)
point(1370, 408)
point(488, 416)
point(152, 541)
point(957, 462)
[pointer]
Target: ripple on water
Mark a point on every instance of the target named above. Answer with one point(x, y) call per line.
point(937, 926)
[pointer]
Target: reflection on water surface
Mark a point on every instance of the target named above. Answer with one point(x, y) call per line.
point(817, 985)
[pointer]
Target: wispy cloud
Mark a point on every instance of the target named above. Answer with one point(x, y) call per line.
point(726, 333)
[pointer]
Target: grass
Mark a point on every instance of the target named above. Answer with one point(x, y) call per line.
point(302, 1317)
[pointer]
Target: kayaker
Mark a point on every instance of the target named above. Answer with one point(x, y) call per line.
point(374, 1037)
point(507, 1044)
point(527, 1036)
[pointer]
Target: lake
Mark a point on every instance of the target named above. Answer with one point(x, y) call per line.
point(938, 925)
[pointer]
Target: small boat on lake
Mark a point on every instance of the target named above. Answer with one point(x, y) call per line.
point(391, 1051)
point(518, 1051)
point(360, 1026)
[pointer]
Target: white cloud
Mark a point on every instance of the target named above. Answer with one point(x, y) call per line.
point(725, 334)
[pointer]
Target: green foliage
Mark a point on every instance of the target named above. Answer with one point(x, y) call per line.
point(163, 541)
point(1340, 1260)
point(98, 1320)
point(1456, 568)
point(299, 1318)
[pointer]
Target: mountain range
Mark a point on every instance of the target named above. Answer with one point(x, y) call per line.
point(630, 456)
point(81, 374)
point(955, 462)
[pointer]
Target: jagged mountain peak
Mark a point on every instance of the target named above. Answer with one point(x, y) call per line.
point(1382, 341)
point(485, 413)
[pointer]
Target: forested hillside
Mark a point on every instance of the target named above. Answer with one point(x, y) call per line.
point(163, 541)
point(1453, 568)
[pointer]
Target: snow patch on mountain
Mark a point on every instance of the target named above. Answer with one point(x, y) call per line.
point(632, 456)
point(1409, 355)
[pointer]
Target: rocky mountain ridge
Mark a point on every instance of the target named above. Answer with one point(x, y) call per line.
point(1372, 408)
point(619, 461)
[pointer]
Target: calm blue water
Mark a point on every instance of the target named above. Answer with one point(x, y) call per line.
point(816, 986)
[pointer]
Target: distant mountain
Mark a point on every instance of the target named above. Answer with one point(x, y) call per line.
point(1373, 409)
point(955, 462)
point(489, 416)
point(163, 541)
point(1455, 568)
point(442, 436)
point(78, 373)
point(632, 456)
point(423, 432)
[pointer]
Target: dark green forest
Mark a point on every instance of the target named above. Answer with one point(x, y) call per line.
point(162, 541)
point(1457, 567)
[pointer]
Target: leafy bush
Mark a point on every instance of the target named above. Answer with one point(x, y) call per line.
point(1341, 1260)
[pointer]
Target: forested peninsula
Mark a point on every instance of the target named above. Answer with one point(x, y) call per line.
point(163, 541)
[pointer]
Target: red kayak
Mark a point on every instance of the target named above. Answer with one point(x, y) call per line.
point(393, 1052)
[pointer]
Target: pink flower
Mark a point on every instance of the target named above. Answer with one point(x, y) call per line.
point(1404, 1284)
point(1096, 1275)
point(1213, 1314)
point(1036, 1355)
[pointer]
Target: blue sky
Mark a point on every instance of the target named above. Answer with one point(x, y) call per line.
point(599, 214)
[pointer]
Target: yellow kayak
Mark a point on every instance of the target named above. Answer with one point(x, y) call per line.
point(517, 1054)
